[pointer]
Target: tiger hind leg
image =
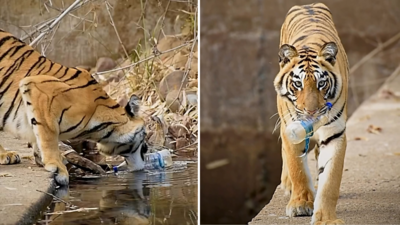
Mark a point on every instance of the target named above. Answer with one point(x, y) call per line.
point(8, 157)
point(44, 127)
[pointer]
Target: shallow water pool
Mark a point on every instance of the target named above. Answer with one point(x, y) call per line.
point(165, 197)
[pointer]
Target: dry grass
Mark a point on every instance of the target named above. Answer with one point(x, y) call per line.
point(152, 60)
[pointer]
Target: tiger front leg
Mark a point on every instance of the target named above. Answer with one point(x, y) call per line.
point(44, 126)
point(330, 163)
point(302, 191)
point(8, 157)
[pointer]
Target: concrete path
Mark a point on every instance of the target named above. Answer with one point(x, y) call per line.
point(20, 202)
point(370, 190)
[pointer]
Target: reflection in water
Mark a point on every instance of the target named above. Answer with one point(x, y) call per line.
point(131, 198)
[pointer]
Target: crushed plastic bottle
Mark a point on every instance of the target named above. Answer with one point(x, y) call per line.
point(158, 160)
point(298, 131)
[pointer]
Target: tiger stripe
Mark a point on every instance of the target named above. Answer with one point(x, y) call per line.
point(313, 72)
point(43, 101)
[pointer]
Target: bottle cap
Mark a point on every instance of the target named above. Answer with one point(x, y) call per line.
point(115, 168)
point(329, 105)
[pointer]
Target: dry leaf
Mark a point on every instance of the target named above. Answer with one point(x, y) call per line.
point(374, 129)
point(367, 117)
point(217, 163)
point(386, 94)
point(360, 139)
point(5, 175)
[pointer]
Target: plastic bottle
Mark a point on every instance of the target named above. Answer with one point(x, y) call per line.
point(158, 160)
point(297, 131)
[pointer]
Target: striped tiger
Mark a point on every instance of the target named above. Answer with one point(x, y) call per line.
point(45, 102)
point(313, 73)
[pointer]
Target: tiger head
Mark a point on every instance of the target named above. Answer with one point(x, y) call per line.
point(128, 138)
point(308, 79)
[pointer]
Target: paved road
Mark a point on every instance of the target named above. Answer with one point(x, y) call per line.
point(370, 191)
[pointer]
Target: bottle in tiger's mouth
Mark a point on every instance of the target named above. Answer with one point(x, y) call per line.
point(299, 130)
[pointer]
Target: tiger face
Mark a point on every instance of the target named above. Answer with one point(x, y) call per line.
point(127, 142)
point(307, 78)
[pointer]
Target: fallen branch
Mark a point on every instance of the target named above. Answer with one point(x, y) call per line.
point(374, 52)
point(365, 59)
point(72, 211)
point(146, 59)
point(68, 204)
point(74, 158)
point(55, 22)
point(108, 6)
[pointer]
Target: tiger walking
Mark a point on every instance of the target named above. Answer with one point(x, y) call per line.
point(313, 73)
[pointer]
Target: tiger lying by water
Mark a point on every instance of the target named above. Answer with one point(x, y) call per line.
point(45, 102)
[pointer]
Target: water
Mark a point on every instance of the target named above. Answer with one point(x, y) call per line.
point(130, 198)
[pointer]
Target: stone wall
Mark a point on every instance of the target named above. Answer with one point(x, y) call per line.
point(79, 42)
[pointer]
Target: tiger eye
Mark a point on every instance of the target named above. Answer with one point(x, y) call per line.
point(297, 84)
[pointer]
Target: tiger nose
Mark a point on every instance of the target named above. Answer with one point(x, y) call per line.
point(310, 112)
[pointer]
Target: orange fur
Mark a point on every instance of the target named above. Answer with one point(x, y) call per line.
point(45, 102)
point(313, 71)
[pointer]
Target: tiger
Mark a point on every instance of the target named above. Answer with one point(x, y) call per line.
point(313, 72)
point(44, 102)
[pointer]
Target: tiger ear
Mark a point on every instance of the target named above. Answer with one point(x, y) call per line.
point(329, 52)
point(286, 53)
point(133, 105)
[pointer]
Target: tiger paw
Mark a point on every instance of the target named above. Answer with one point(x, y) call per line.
point(319, 218)
point(301, 204)
point(9, 158)
point(60, 172)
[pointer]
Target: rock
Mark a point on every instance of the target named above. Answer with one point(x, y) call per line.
point(170, 143)
point(104, 64)
point(178, 131)
point(171, 82)
point(181, 142)
point(191, 97)
point(172, 101)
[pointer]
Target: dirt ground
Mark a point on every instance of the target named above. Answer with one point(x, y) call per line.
point(370, 190)
point(20, 202)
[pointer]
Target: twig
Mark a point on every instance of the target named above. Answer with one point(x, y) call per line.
point(46, 24)
point(163, 19)
point(393, 75)
point(45, 47)
point(56, 21)
point(72, 211)
point(146, 59)
point(366, 58)
point(115, 28)
point(59, 199)
point(189, 62)
point(374, 52)
point(195, 143)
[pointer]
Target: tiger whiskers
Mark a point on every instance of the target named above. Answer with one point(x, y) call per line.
point(279, 120)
